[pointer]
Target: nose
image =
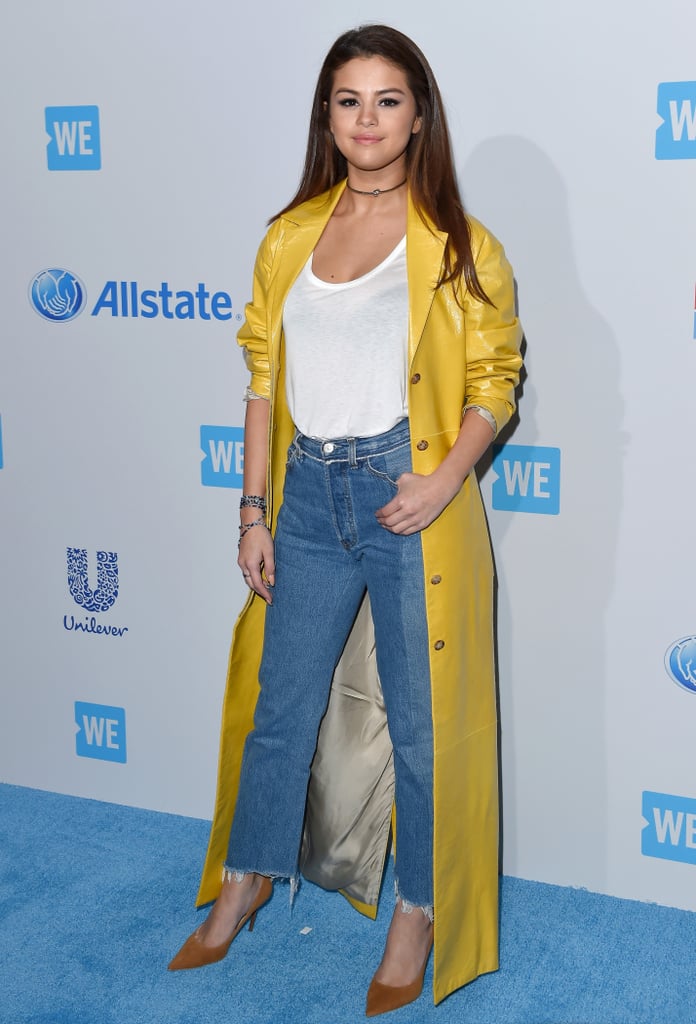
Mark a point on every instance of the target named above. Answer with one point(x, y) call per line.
point(367, 115)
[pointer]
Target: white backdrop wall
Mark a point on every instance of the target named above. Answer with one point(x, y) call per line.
point(105, 417)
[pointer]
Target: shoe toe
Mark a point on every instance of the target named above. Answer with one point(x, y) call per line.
point(384, 998)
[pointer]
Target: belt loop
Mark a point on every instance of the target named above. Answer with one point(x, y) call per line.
point(352, 453)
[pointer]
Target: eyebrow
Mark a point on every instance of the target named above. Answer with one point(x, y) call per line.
point(380, 92)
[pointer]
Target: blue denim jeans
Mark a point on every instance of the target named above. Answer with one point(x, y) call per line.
point(329, 548)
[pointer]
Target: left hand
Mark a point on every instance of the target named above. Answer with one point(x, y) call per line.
point(418, 502)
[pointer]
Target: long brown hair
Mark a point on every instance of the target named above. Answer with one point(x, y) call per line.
point(429, 164)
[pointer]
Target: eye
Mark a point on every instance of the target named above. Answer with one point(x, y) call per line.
point(389, 101)
point(349, 101)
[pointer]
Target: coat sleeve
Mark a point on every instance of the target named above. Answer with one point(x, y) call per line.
point(493, 332)
point(253, 334)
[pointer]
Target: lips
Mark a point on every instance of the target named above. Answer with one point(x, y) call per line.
point(367, 139)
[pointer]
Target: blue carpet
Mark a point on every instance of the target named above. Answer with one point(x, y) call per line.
point(96, 898)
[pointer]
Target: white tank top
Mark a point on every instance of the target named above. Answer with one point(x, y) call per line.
point(347, 351)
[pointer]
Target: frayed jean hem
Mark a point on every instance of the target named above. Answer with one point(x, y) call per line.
point(406, 907)
point(231, 874)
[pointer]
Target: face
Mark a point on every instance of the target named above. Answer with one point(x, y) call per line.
point(372, 115)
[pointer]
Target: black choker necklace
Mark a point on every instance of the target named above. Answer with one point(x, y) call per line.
point(376, 191)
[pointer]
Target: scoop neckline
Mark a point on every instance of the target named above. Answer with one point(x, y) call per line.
point(389, 258)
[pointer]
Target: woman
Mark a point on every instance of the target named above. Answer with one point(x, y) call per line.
point(384, 353)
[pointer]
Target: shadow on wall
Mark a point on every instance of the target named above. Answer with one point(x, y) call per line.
point(557, 572)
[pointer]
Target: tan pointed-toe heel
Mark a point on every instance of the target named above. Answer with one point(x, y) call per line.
point(195, 953)
point(383, 998)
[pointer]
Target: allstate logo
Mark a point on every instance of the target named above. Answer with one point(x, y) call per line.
point(680, 662)
point(106, 592)
point(57, 295)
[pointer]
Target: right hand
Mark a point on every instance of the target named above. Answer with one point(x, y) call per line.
point(257, 561)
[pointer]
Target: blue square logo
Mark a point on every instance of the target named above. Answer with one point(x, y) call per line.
point(101, 732)
point(223, 456)
point(669, 831)
point(528, 479)
point(75, 143)
point(675, 139)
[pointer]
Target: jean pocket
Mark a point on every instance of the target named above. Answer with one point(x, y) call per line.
point(390, 465)
point(294, 455)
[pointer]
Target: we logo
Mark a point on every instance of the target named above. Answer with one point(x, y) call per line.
point(75, 143)
point(223, 462)
point(669, 831)
point(676, 137)
point(101, 732)
point(528, 479)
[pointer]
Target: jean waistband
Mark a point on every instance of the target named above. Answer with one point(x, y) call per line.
point(348, 449)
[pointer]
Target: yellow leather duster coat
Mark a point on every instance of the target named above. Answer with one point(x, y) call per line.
point(457, 357)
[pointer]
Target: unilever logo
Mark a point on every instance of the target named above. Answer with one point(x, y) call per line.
point(57, 295)
point(680, 662)
point(106, 592)
point(100, 599)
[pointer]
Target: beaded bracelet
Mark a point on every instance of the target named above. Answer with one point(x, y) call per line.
point(245, 527)
point(252, 501)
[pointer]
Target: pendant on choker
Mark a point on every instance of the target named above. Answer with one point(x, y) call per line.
point(376, 191)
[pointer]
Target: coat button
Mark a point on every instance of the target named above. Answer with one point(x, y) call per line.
point(415, 378)
point(422, 445)
point(436, 579)
point(439, 644)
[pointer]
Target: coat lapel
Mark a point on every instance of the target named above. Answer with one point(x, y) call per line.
point(303, 227)
point(425, 247)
